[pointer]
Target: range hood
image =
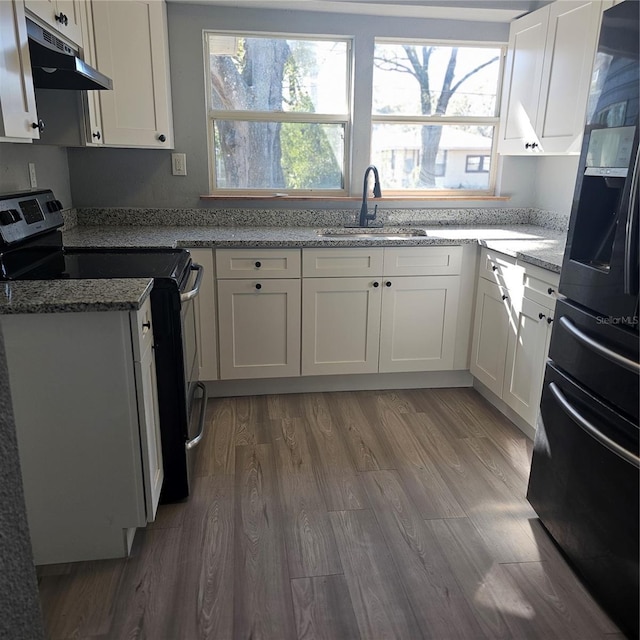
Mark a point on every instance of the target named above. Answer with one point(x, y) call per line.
point(55, 65)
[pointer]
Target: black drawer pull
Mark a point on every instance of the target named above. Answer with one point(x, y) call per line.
point(505, 296)
point(376, 284)
point(258, 286)
point(541, 316)
point(96, 135)
point(387, 283)
point(549, 320)
point(162, 137)
point(551, 291)
point(258, 264)
point(494, 268)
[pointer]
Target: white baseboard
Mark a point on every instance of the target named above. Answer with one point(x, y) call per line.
point(501, 406)
point(363, 382)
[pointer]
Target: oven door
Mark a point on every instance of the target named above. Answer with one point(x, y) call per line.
point(195, 391)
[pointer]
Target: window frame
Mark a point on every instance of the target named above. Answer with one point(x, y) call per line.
point(493, 120)
point(344, 119)
point(481, 163)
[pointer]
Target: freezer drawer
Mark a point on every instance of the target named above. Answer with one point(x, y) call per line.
point(598, 353)
point(584, 487)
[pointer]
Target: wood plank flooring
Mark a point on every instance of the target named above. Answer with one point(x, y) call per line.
point(389, 515)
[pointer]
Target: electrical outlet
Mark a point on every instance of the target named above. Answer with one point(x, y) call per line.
point(179, 164)
point(32, 175)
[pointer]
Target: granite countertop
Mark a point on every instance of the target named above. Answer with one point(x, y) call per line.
point(535, 245)
point(55, 296)
point(532, 244)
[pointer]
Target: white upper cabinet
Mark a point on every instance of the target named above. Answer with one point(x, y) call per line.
point(18, 116)
point(64, 16)
point(547, 78)
point(132, 48)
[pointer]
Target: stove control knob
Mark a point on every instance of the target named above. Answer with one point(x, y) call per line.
point(58, 205)
point(15, 214)
point(6, 218)
point(54, 205)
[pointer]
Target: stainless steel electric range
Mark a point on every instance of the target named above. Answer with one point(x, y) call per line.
point(31, 248)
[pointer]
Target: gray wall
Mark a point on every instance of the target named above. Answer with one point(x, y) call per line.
point(142, 178)
point(52, 169)
point(20, 617)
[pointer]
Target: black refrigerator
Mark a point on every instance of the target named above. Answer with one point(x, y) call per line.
point(585, 469)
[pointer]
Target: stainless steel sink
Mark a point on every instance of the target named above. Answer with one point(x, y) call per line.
point(388, 233)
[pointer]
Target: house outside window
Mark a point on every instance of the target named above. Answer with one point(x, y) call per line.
point(278, 111)
point(478, 164)
point(435, 104)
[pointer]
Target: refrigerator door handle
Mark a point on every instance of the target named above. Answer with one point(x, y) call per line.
point(630, 230)
point(591, 430)
point(594, 345)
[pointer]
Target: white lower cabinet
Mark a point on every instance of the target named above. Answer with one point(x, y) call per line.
point(511, 331)
point(341, 326)
point(258, 296)
point(205, 305)
point(85, 406)
point(418, 325)
point(388, 321)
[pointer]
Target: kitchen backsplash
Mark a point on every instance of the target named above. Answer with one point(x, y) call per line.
point(308, 217)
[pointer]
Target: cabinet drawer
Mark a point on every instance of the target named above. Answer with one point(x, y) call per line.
point(258, 263)
point(422, 261)
point(500, 268)
point(365, 261)
point(142, 330)
point(541, 285)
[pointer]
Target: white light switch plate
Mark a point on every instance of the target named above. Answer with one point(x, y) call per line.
point(179, 164)
point(33, 181)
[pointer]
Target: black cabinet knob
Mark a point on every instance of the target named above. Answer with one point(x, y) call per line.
point(258, 264)
point(494, 268)
point(551, 291)
point(38, 125)
point(258, 286)
point(376, 284)
point(387, 283)
point(505, 297)
point(530, 145)
point(96, 135)
point(60, 17)
point(549, 320)
point(541, 316)
point(162, 137)
point(147, 325)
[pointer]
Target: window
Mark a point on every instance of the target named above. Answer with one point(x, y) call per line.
point(478, 164)
point(434, 106)
point(278, 113)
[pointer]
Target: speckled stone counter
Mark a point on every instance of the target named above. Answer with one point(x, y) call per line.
point(536, 245)
point(55, 296)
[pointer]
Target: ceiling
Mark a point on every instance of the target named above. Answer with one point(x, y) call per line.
point(475, 10)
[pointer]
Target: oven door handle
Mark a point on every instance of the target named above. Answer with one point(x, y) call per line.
point(591, 430)
point(188, 295)
point(600, 349)
point(195, 441)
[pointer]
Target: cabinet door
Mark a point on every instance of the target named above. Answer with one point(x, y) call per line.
point(61, 15)
point(132, 49)
point(526, 356)
point(341, 325)
point(522, 78)
point(149, 425)
point(91, 99)
point(259, 328)
point(18, 100)
point(490, 332)
point(570, 49)
point(418, 323)
point(205, 303)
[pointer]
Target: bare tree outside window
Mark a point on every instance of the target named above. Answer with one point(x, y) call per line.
point(431, 100)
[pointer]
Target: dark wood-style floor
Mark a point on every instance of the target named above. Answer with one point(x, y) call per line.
point(375, 515)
